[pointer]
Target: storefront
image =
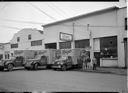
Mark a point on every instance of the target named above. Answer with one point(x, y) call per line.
point(106, 27)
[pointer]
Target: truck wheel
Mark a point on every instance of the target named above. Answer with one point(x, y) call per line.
point(35, 66)
point(10, 67)
point(27, 68)
point(1, 69)
point(63, 68)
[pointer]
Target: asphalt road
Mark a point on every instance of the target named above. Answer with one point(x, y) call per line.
point(50, 80)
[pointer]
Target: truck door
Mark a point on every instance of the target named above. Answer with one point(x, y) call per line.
point(69, 62)
point(43, 60)
point(18, 61)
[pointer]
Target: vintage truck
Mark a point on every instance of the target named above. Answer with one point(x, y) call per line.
point(63, 63)
point(17, 60)
point(42, 58)
point(68, 58)
point(11, 63)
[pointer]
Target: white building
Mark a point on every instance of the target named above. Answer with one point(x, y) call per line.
point(108, 31)
point(25, 39)
point(5, 51)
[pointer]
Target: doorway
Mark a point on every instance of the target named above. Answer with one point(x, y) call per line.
point(97, 56)
point(51, 46)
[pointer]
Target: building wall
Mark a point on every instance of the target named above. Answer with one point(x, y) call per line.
point(7, 51)
point(122, 33)
point(24, 43)
point(103, 24)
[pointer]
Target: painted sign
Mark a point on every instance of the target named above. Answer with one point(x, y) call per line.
point(66, 36)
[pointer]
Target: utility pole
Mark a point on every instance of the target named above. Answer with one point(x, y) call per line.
point(73, 41)
point(91, 43)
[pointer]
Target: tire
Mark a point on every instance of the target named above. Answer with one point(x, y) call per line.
point(27, 68)
point(63, 68)
point(35, 67)
point(1, 69)
point(10, 67)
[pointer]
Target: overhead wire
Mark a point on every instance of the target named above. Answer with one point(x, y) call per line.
point(55, 9)
point(19, 21)
point(42, 11)
point(60, 9)
point(4, 26)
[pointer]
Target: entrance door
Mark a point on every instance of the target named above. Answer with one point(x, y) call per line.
point(126, 51)
point(51, 46)
point(97, 56)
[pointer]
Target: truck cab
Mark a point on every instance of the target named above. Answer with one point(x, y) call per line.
point(36, 62)
point(63, 63)
point(9, 64)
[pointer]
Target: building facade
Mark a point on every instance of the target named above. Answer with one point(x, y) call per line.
point(106, 27)
point(25, 39)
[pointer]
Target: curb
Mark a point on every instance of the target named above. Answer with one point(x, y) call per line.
point(100, 71)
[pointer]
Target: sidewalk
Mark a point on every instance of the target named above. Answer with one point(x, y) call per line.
point(108, 70)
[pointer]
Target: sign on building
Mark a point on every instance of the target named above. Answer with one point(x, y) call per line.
point(66, 37)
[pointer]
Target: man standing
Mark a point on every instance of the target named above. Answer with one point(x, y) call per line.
point(94, 61)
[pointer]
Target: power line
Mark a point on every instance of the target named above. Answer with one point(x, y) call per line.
point(10, 27)
point(55, 8)
point(59, 9)
point(4, 6)
point(42, 11)
point(19, 21)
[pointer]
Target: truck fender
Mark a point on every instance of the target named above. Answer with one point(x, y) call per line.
point(34, 62)
point(8, 62)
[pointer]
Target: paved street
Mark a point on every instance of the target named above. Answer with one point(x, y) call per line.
point(50, 80)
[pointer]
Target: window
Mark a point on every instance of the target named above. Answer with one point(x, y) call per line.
point(82, 43)
point(64, 45)
point(18, 39)
point(108, 47)
point(14, 45)
point(29, 37)
point(36, 43)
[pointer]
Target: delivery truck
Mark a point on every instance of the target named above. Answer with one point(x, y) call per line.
point(42, 58)
point(17, 60)
point(69, 58)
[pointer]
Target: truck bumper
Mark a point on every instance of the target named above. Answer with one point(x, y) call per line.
point(56, 66)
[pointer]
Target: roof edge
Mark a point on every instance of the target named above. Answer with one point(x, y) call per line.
point(105, 9)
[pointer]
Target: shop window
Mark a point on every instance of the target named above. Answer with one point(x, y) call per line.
point(14, 45)
point(29, 37)
point(65, 45)
point(108, 47)
point(36, 43)
point(18, 39)
point(82, 43)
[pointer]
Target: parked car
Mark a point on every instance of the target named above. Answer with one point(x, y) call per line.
point(13, 62)
point(34, 63)
point(63, 63)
